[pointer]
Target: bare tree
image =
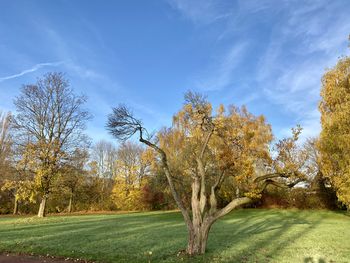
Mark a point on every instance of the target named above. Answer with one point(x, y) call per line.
point(104, 153)
point(103, 157)
point(207, 168)
point(50, 114)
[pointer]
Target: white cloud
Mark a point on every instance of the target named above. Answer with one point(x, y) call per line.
point(32, 69)
point(201, 12)
point(304, 40)
point(305, 43)
point(223, 72)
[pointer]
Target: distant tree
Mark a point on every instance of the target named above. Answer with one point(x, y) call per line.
point(320, 186)
point(5, 140)
point(21, 190)
point(52, 117)
point(103, 161)
point(6, 154)
point(335, 134)
point(73, 174)
point(104, 153)
point(20, 182)
point(131, 170)
point(202, 152)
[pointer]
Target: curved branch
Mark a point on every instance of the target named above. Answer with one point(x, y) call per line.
point(167, 172)
point(272, 175)
point(232, 205)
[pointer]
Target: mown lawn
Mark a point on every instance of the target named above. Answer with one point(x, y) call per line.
point(242, 236)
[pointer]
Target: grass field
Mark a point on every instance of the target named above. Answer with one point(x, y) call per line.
point(242, 236)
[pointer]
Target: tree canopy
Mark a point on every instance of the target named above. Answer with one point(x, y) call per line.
point(203, 152)
point(335, 134)
point(50, 120)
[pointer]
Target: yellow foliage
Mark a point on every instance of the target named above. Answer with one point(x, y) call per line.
point(239, 139)
point(22, 190)
point(131, 172)
point(127, 197)
point(335, 134)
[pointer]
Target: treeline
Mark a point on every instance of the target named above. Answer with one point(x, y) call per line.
point(102, 177)
point(48, 164)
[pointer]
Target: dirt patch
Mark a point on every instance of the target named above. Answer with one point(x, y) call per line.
point(12, 258)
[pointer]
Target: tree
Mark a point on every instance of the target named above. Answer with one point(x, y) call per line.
point(201, 152)
point(131, 170)
point(52, 117)
point(335, 134)
point(20, 181)
point(104, 157)
point(104, 154)
point(5, 140)
point(73, 174)
point(6, 155)
point(21, 190)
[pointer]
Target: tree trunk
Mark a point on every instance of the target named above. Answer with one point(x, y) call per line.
point(70, 203)
point(200, 227)
point(199, 230)
point(15, 209)
point(42, 207)
point(198, 238)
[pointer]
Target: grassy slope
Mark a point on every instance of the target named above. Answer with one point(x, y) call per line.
point(242, 236)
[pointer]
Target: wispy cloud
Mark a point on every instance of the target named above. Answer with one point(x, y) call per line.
point(201, 12)
point(297, 42)
point(222, 74)
point(32, 69)
point(308, 40)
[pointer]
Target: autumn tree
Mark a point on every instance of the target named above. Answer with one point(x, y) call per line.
point(21, 190)
point(6, 152)
point(73, 174)
point(20, 182)
point(131, 170)
point(335, 134)
point(202, 152)
point(5, 140)
point(50, 114)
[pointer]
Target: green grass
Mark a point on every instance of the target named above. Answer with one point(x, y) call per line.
point(242, 236)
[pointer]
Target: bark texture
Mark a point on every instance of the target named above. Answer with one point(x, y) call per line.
point(42, 208)
point(70, 205)
point(15, 208)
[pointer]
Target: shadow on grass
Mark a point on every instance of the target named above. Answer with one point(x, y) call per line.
point(257, 238)
point(242, 236)
point(312, 260)
point(108, 239)
point(77, 221)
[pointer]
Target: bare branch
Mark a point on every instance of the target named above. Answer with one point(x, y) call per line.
point(122, 124)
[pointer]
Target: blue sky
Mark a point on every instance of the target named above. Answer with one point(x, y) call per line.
point(268, 55)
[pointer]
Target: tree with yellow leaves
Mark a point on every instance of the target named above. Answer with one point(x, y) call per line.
point(73, 173)
point(5, 139)
point(131, 172)
point(20, 183)
point(50, 116)
point(335, 134)
point(202, 153)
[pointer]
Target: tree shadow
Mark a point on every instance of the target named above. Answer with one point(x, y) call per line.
point(242, 236)
point(312, 260)
point(258, 238)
